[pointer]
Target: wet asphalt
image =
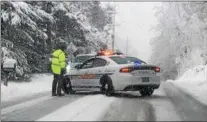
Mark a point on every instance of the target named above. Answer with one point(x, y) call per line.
point(166, 104)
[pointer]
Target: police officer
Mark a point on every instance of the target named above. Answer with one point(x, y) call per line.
point(58, 67)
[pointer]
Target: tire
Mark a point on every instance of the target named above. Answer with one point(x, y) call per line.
point(67, 86)
point(107, 85)
point(146, 92)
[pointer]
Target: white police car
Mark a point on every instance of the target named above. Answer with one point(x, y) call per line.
point(110, 73)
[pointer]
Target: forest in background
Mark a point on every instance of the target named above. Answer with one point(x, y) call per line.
point(181, 39)
point(35, 27)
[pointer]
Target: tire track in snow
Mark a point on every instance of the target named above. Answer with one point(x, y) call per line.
point(130, 107)
point(41, 109)
point(15, 101)
point(18, 108)
point(76, 109)
point(146, 113)
point(164, 109)
point(126, 108)
point(23, 105)
point(188, 107)
point(96, 111)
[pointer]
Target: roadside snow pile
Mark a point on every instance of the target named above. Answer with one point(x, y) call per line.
point(39, 83)
point(194, 82)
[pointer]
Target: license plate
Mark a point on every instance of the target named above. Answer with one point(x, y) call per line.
point(145, 79)
point(141, 73)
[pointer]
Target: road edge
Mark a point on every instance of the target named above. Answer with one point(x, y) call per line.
point(185, 102)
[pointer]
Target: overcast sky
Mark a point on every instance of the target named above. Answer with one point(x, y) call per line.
point(135, 20)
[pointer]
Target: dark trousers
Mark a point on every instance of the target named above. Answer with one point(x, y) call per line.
point(57, 84)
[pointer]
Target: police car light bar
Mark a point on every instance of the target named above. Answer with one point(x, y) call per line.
point(105, 53)
point(108, 52)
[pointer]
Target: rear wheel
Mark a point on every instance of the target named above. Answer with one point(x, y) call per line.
point(146, 92)
point(107, 86)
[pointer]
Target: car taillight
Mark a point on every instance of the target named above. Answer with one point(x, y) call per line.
point(157, 69)
point(125, 70)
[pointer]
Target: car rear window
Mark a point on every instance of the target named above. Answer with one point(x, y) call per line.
point(119, 60)
point(133, 59)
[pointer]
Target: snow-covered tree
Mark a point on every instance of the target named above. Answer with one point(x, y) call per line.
point(35, 27)
point(20, 25)
point(181, 40)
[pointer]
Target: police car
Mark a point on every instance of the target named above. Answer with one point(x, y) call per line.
point(109, 72)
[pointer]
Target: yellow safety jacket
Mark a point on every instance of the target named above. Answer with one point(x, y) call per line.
point(58, 61)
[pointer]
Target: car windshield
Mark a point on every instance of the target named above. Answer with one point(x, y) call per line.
point(133, 59)
point(81, 59)
point(119, 60)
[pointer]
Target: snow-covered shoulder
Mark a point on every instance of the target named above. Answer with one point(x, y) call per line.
point(194, 82)
point(39, 83)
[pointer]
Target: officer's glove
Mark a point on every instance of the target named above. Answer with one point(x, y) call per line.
point(63, 71)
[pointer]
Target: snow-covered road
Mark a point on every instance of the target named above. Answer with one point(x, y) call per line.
point(95, 107)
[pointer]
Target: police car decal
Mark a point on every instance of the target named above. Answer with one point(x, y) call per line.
point(89, 76)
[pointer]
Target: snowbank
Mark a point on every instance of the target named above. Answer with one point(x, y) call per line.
point(39, 83)
point(194, 82)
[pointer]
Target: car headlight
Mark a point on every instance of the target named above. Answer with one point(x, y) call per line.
point(68, 68)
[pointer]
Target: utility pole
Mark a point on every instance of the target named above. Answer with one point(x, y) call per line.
point(113, 37)
point(49, 28)
point(127, 46)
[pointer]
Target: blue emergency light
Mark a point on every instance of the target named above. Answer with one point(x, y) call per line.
point(137, 62)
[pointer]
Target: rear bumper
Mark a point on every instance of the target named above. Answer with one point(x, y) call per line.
point(127, 82)
point(139, 87)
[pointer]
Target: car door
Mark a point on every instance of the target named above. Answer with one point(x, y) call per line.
point(95, 72)
point(79, 74)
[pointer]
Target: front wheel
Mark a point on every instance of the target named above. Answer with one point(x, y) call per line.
point(146, 92)
point(107, 85)
point(67, 86)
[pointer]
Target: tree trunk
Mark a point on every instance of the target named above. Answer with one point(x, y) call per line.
point(49, 29)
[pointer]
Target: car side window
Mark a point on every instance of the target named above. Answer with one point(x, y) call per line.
point(98, 62)
point(87, 64)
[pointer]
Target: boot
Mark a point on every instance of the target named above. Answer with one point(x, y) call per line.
point(54, 94)
point(60, 95)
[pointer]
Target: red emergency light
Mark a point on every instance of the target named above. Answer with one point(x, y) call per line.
point(105, 52)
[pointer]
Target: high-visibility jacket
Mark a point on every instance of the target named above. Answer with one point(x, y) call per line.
point(58, 61)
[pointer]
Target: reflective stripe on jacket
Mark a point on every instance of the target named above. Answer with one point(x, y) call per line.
point(58, 61)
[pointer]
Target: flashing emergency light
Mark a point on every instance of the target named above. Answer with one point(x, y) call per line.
point(137, 62)
point(105, 52)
